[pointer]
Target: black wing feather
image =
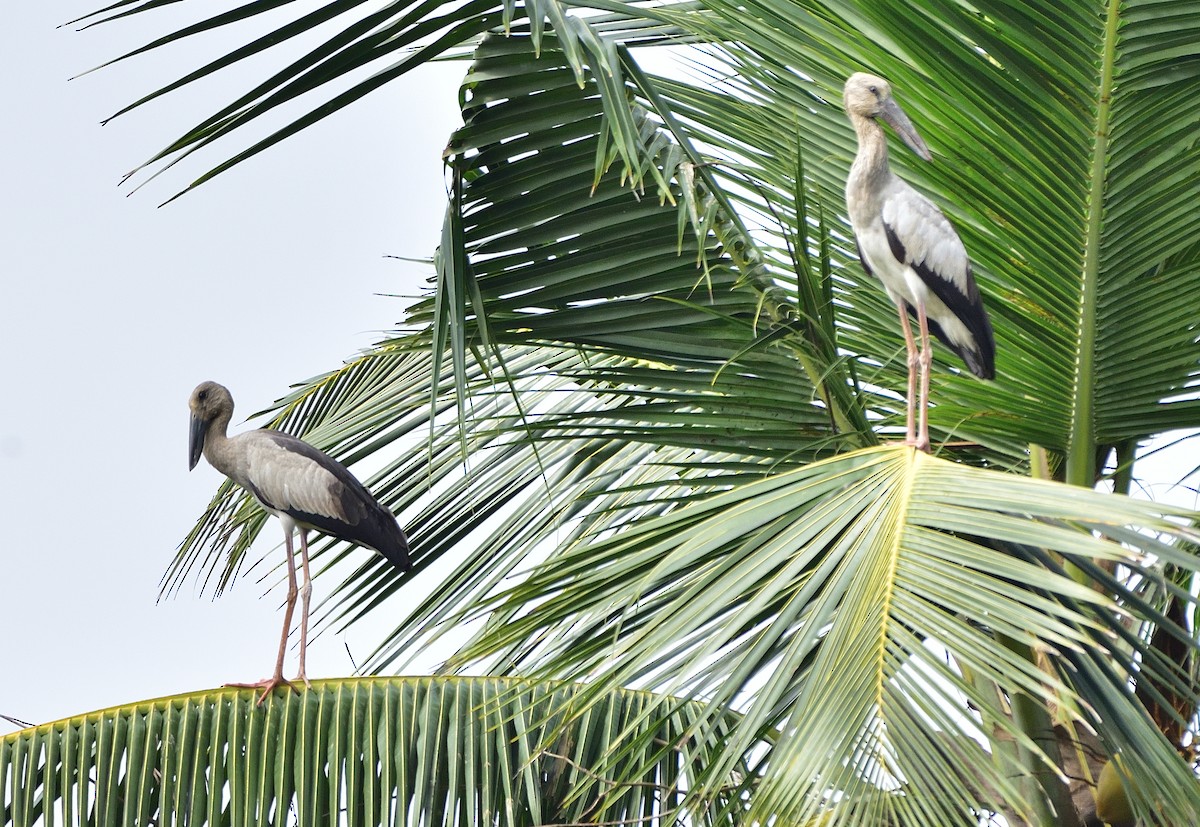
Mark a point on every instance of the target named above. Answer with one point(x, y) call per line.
point(969, 309)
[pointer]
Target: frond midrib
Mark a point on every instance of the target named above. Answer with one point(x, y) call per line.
point(1081, 450)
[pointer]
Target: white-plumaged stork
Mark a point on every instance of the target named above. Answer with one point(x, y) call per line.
point(905, 241)
point(302, 486)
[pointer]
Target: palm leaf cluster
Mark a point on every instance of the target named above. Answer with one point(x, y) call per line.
point(636, 410)
point(386, 750)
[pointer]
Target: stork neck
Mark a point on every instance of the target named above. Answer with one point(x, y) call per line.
point(217, 449)
point(872, 157)
point(869, 171)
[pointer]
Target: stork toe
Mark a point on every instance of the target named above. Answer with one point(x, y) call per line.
point(267, 685)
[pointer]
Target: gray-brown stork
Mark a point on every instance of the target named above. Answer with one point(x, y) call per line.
point(302, 486)
point(906, 242)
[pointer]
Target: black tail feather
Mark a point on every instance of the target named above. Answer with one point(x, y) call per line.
point(982, 362)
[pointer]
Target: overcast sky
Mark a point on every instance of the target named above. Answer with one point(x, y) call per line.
point(114, 309)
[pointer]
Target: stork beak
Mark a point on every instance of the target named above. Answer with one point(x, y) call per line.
point(894, 115)
point(196, 440)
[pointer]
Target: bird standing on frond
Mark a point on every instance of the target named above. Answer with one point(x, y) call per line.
point(905, 241)
point(302, 486)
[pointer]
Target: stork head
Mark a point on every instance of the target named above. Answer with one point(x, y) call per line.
point(208, 403)
point(868, 96)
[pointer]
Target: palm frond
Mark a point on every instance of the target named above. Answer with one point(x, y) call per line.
point(378, 751)
point(872, 608)
point(1045, 163)
point(370, 47)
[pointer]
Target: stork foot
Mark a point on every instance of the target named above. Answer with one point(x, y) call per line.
point(919, 444)
point(267, 685)
point(301, 677)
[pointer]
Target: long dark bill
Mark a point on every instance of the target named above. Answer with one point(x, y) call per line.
point(895, 117)
point(199, 428)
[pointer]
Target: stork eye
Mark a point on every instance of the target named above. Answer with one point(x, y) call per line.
point(875, 91)
point(202, 395)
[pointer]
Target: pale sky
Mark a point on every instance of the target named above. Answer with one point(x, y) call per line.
point(115, 309)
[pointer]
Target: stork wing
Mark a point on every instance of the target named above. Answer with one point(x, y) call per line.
point(921, 237)
point(289, 475)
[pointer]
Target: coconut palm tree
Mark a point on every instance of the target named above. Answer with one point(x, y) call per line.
point(644, 412)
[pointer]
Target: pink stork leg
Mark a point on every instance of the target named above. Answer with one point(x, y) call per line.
point(926, 364)
point(267, 685)
point(910, 436)
point(305, 594)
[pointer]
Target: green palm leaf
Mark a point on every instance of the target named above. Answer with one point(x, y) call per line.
point(1049, 125)
point(878, 609)
point(595, 265)
point(384, 750)
point(407, 32)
